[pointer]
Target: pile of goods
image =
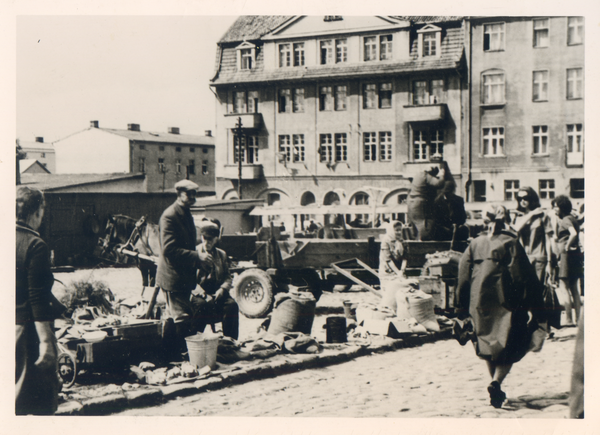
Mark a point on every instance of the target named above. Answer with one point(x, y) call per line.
point(443, 264)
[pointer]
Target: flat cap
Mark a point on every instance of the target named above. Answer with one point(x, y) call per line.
point(186, 185)
point(210, 229)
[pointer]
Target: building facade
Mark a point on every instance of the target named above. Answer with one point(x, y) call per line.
point(164, 158)
point(40, 151)
point(338, 109)
point(527, 107)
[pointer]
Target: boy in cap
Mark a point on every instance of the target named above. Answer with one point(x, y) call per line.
point(216, 304)
point(178, 263)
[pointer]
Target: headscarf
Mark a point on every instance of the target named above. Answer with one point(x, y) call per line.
point(496, 217)
point(390, 231)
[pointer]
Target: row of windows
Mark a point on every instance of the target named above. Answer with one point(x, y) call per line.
point(163, 167)
point(177, 149)
point(492, 143)
point(493, 86)
point(546, 189)
point(426, 143)
point(494, 34)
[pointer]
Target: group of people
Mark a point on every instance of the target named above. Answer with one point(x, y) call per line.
point(192, 272)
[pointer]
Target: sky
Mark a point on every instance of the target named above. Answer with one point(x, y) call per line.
point(148, 70)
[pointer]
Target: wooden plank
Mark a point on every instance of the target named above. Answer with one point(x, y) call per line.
point(367, 267)
point(355, 279)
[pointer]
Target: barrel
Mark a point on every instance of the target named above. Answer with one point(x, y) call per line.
point(336, 329)
point(202, 349)
point(294, 315)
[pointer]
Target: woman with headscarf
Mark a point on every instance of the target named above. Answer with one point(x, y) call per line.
point(391, 267)
point(498, 287)
point(534, 230)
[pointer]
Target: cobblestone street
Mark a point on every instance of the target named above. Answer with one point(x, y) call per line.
point(439, 379)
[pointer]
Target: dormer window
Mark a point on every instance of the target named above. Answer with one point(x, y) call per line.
point(429, 41)
point(246, 56)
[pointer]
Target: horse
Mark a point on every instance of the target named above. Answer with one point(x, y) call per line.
point(143, 237)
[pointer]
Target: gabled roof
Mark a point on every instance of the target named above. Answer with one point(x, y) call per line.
point(148, 136)
point(253, 27)
point(25, 164)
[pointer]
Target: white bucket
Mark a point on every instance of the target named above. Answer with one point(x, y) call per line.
point(202, 350)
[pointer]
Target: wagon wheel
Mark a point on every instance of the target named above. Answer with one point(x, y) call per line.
point(67, 368)
point(253, 290)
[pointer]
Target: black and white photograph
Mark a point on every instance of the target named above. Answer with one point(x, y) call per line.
point(352, 222)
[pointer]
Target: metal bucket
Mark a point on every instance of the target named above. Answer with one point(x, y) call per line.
point(202, 350)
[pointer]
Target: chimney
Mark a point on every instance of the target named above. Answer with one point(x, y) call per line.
point(39, 139)
point(94, 124)
point(174, 130)
point(133, 127)
point(208, 133)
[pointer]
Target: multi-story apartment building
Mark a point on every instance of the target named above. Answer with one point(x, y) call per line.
point(335, 108)
point(527, 107)
point(163, 158)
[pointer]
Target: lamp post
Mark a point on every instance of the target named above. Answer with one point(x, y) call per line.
point(238, 136)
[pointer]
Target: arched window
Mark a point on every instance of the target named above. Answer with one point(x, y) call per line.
point(331, 198)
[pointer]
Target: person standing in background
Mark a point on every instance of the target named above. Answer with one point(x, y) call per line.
point(36, 380)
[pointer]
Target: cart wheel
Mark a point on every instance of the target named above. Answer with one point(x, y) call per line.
point(253, 290)
point(67, 368)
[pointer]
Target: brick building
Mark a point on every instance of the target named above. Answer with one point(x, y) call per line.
point(163, 158)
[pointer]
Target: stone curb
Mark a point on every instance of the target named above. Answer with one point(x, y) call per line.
point(153, 396)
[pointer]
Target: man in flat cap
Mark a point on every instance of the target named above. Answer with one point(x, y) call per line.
point(215, 304)
point(178, 264)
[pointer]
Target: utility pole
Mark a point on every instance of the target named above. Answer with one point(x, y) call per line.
point(238, 138)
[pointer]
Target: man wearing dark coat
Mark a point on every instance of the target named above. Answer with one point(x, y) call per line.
point(178, 263)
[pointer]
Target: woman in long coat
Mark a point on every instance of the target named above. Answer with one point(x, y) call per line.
point(498, 287)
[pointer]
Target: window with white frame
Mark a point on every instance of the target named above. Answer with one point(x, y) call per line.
point(493, 37)
point(285, 147)
point(574, 83)
point(161, 165)
point(246, 58)
point(385, 95)
point(340, 97)
point(341, 147)
point(249, 148)
point(575, 31)
point(540, 86)
point(426, 143)
point(326, 147)
point(204, 167)
point(239, 102)
point(575, 144)
point(540, 140)
point(298, 100)
point(370, 96)
point(385, 47)
point(326, 52)
point(341, 50)
point(370, 146)
point(428, 92)
point(299, 54)
point(178, 166)
point(285, 55)
point(541, 33)
point(142, 164)
point(492, 141)
point(493, 87)
point(299, 152)
point(385, 146)
point(325, 98)
point(546, 190)
point(377, 48)
point(370, 46)
point(511, 188)
point(429, 44)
